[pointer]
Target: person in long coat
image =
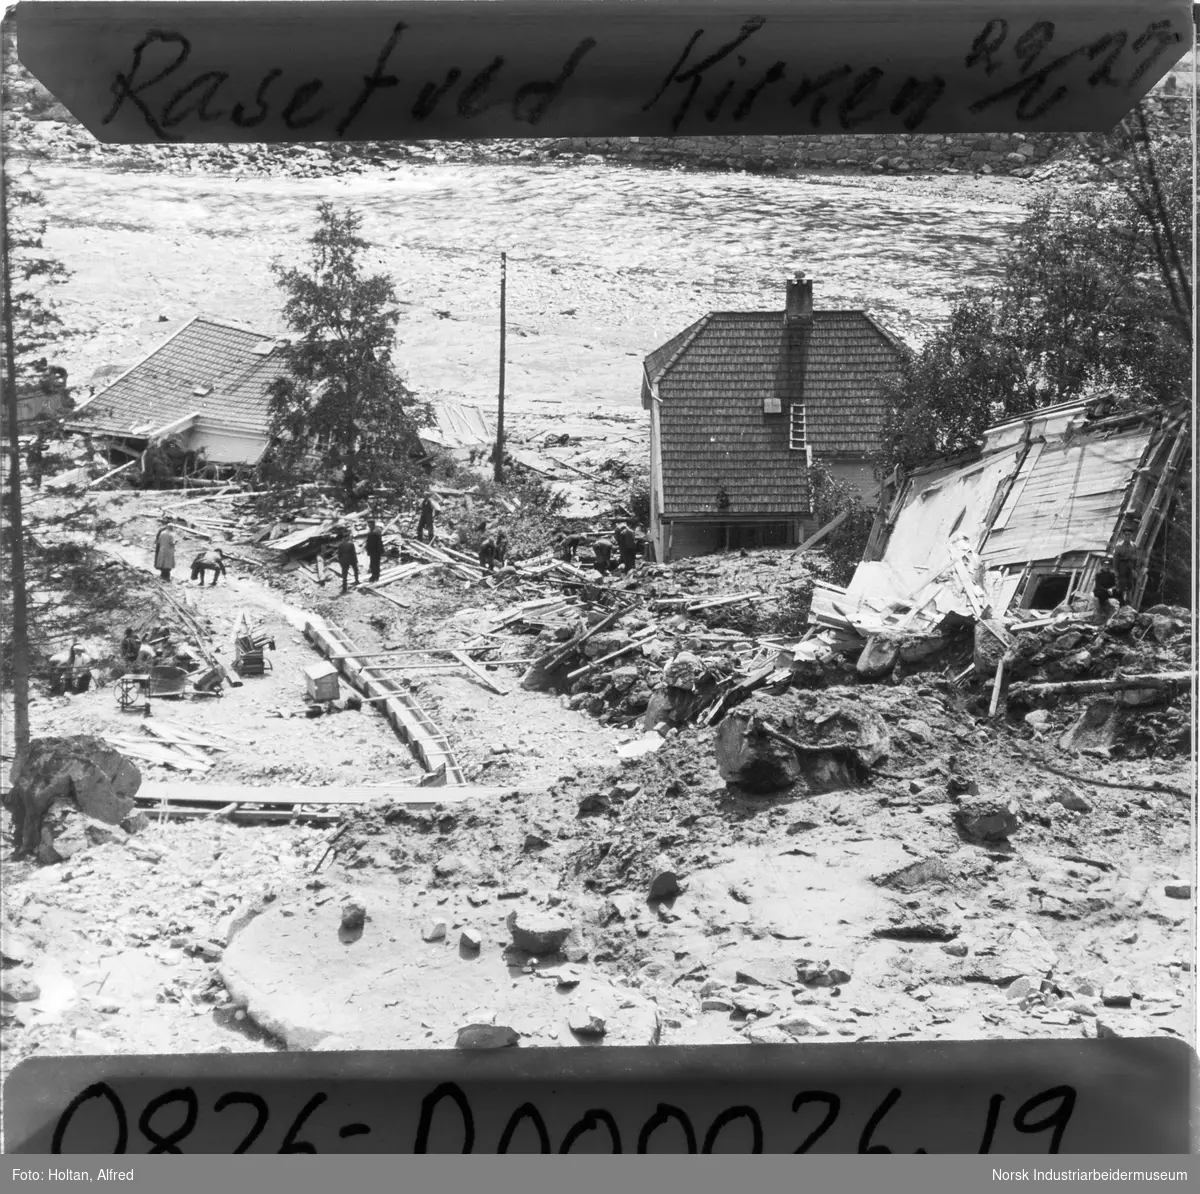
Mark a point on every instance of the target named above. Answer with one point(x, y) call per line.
point(164, 551)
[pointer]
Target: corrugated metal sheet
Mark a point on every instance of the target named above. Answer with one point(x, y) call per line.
point(1070, 501)
point(713, 379)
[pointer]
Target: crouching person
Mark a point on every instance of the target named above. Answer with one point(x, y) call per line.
point(212, 560)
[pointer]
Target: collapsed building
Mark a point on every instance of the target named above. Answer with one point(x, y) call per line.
point(203, 395)
point(1023, 524)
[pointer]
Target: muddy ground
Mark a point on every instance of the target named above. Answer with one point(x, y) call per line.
point(862, 913)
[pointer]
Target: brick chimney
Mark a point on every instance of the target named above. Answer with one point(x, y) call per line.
point(798, 311)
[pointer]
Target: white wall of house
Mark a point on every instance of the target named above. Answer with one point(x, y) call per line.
point(226, 443)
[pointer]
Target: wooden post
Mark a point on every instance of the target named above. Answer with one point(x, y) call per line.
point(996, 689)
point(20, 614)
point(499, 469)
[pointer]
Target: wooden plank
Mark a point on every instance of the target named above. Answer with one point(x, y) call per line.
point(479, 673)
point(818, 535)
point(411, 723)
point(187, 749)
point(219, 795)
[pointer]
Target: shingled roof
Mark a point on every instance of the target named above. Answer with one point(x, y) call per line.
point(712, 378)
point(219, 370)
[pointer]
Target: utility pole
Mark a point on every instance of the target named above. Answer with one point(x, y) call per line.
point(16, 558)
point(499, 472)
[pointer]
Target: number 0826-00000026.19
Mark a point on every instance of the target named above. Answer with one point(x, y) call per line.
point(166, 1121)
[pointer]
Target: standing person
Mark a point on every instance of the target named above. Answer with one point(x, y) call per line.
point(602, 549)
point(347, 558)
point(501, 547)
point(568, 547)
point(35, 458)
point(1105, 590)
point(1125, 564)
point(425, 522)
point(129, 645)
point(487, 554)
point(374, 547)
point(627, 544)
point(164, 550)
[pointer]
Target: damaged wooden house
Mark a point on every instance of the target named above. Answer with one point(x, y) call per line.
point(1023, 524)
point(203, 396)
point(203, 392)
point(744, 403)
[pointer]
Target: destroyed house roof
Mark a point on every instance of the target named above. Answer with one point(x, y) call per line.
point(459, 425)
point(713, 378)
point(216, 369)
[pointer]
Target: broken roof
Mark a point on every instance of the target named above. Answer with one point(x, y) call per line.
point(712, 380)
point(217, 369)
point(1055, 488)
point(459, 425)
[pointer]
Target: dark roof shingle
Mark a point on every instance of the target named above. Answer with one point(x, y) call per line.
point(162, 388)
point(712, 379)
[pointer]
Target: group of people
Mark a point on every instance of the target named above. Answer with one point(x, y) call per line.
point(211, 559)
point(625, 541)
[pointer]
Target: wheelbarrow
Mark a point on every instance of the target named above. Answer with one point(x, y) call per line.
point(167, 681)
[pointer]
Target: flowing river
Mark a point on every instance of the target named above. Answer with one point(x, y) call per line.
point(604, 262)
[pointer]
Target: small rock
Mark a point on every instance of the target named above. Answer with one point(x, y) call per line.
point(206, 951)
point(538, 932)
point(665, 881)
point(956, 949)
point(587, 1022)
point(1038, 720)
point(594, 802)
point(567, 977)
point(471, 939)
point(1070, 799)
point(986, 819)
point(16, 988)
point(434, 930)
point(1118, 993)
point(486, 1036)
point(684, 671)
point(795, 1024)
point(354, 916)
point(822, 975)
point(714, 1003)
point(533, 843)
point(1127, 1026)
point(1019, 988)
point(751, 1004)
point(1178, 891)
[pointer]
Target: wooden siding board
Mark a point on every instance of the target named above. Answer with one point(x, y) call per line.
point(1070, 501)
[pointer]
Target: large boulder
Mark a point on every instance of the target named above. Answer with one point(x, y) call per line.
point(826, 739)
point(83, 771)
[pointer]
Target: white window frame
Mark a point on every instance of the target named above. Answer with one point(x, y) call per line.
point(800, 445)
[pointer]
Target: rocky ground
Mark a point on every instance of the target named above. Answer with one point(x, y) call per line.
point(653, 902)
